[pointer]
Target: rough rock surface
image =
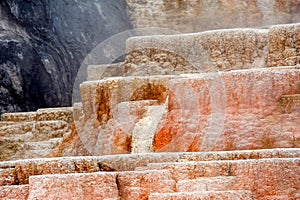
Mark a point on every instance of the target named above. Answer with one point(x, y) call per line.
point(284, 43)
point(250, 101)
point(257, 174)
point(209, 51)
point(42, 44)
point(34, 134)
point(254, 116)
point(202, 15)
point(245, 106)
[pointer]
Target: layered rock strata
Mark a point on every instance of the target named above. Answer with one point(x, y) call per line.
point(217, 106)
point(240, 98)
point(254, 117)
point(259, 174)
point(221, 90)
point(34, 134)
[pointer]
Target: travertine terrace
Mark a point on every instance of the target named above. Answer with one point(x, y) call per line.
point(211, 115)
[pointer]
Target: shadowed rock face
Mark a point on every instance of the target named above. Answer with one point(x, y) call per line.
point(42, 44)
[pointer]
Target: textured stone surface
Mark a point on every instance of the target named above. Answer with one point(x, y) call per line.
point(207, 195)
point(278, 177)
point(14, 192)
point(98, 72)
point(197, 52)
point(18, 172)
point(19, 117)
point(167, 175)
point(253, 119)
point(202, 15)
point(154, 113)
point(74, 186)
point(284, 44)
point(6, 123)
point(43, 44)
point(7, 176)
point(19, 128)
point(138, 185)
point(106, 113)
point(264, 177)
point(61, 113)
point(218, 183)
point(35, 134)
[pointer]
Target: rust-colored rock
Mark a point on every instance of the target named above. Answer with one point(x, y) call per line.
point(74, 186)
point(18, 192)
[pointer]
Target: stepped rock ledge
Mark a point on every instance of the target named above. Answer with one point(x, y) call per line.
point(210, 115)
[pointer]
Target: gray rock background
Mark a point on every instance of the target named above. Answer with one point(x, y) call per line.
point(42, 44)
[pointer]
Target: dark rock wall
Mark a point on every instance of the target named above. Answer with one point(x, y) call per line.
point(42, 44)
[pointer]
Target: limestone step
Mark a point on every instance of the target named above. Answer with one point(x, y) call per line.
point(249, 48)
point(60, 113)
point(43, 145)
point(182, 53)
point(11, 145)
point(35, 131)
point(241, 155)
point(100, 185)
point(19, 117)
point(6, 123)
point(7, 176)
point(276, 176)
point(38, 149)
point(17, 138)
point(14, 192)
point(216, 168)
point(25, 168)
point(253, 105)
point(218, 183)
point(45, 130)
point(138, 185)
point(205, 195)
point(278, 197)
point(98, 72)
point(18, 128)
point(47, 114)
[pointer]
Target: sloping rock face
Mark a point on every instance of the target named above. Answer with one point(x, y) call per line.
point(202, 15)
point(42, 44)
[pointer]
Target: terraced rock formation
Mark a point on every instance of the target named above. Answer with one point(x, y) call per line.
point(34, 134)
point(257, 174)
point(219, 122)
